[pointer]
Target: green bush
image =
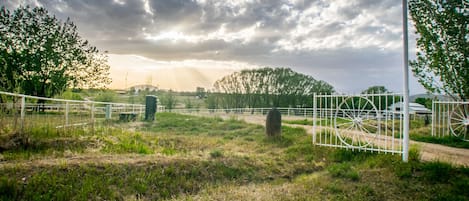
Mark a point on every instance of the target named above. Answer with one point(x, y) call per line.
point(70, 95)
point(106, 96)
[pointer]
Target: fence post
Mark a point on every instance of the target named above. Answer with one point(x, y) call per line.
point(66, 113)
point(108, 111)
point(23, 111)
point(433, 117)
point(92, 113)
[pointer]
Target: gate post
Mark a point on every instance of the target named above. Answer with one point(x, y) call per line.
point(405, 154)
point(314, 118)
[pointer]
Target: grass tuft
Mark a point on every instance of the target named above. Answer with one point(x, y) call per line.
point(216, 153)
point(343, 170)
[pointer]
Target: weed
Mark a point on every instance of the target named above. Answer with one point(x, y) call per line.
point(168, 151)
point(403, 170)
point(335, 188)
point(343, 170)
point(349, 155)
point(128, 143)
point(216, 153)
point(436, 171)
point(9, 188)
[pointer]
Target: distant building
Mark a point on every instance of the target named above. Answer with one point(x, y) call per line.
point(144, 87)
point(414, 108)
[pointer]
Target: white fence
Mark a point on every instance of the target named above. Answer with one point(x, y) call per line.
point(24, 113)
point(362, 122)
point(300, 112)
point(450, 118)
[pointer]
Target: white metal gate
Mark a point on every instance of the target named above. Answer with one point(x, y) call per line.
point(450, 118)
point(367, 122)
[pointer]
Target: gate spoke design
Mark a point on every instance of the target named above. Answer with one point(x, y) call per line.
point(361, 122)
point(359, 131)
point(459, 121)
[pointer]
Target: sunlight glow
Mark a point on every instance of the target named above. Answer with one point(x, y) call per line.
point(243, 35)
point(127, 71)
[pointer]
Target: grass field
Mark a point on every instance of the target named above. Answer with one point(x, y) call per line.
point(195, 158)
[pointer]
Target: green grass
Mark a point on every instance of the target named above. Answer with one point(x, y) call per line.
point(424, 134)
point(184, 157)
point(343, 170)
point(299, 122)
point(327, 121)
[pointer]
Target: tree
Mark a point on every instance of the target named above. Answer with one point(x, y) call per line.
point(200, 92)
point(43, 56)
point(442, 63)
point(375, 90)
point(188, 103)
point(427, 102)
point(266, 87)
point(106, 96)
point(212, 101)
point(169, 100)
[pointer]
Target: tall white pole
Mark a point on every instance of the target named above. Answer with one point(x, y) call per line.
point(314, 118)
point(405, 154)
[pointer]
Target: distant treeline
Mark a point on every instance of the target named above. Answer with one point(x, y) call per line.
point(266, 87)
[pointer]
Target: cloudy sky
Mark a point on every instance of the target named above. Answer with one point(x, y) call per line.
point(182, 44)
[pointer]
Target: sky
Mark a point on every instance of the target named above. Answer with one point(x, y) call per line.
point(183, 44)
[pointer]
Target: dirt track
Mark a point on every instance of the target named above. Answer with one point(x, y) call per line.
point(428, 151)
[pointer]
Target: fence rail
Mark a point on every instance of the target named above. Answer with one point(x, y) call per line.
point(19, 112)
point(300, 112)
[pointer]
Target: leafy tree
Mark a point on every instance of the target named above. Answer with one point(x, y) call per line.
point(375, 90)
point(70, 95)
point(200, 92)
point(442, 63)
point(427, 102)
point(188, 103)
point(106, 96)
point(169, 100)
point(212, 101)
point(268, 87)
point(43, 56)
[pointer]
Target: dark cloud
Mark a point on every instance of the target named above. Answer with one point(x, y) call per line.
point(339, 41)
